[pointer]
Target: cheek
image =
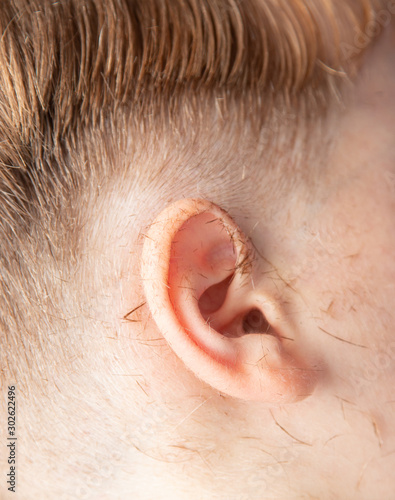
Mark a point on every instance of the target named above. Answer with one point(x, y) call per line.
point(346, 279)
point(350, 264)
point(355, 292)
point(351, 295)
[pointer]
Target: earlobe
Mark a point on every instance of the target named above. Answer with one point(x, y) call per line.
point(196, 270)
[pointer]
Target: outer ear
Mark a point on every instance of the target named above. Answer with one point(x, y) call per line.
point(196, 270)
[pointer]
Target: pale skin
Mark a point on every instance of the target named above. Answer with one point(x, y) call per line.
point(305, 410)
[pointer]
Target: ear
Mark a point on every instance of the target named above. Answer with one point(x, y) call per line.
point(196, 269)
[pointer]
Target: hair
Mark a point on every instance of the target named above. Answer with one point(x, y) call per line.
point(82, 80)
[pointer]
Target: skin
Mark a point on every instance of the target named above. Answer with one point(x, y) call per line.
point(328, 265)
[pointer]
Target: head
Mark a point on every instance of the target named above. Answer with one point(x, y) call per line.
point(197, 247)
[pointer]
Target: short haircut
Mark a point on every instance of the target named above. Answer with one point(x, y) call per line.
point(80, 80)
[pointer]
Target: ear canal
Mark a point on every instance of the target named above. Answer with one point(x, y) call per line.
point(196, 270)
